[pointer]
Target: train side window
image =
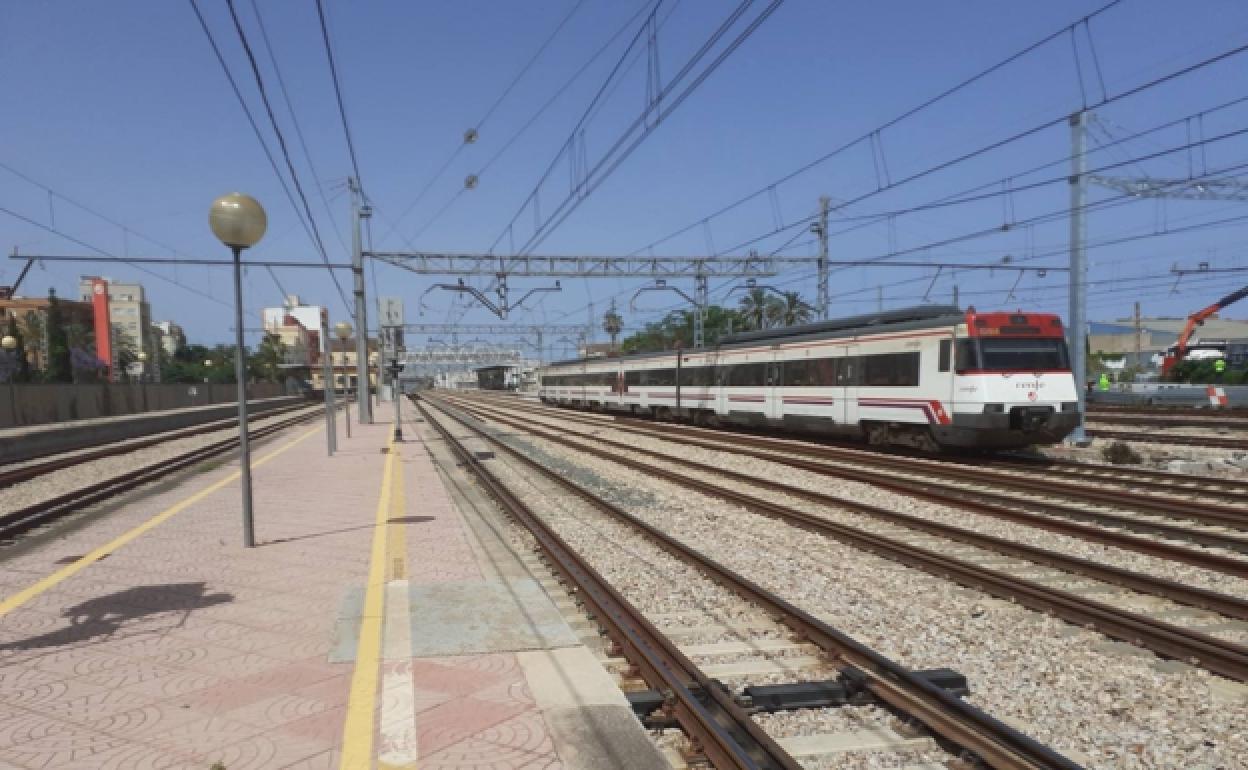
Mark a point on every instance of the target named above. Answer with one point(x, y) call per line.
point(946, 352)
point(795, 373)
point(632, 377)
point(847, 371)
point(965, 355)
point(773, 374)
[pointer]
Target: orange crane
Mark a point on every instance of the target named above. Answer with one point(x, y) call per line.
point(1194, 320)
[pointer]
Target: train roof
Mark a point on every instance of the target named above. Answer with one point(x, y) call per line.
point(903, 319)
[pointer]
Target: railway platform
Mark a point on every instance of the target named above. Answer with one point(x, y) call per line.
point(384, 620)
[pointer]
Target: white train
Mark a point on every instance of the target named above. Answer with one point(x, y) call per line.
point(929, 377)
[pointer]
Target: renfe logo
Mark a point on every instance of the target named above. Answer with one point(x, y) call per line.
point(1031, 395)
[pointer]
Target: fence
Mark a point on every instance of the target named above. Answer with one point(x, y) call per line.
point(28, 404)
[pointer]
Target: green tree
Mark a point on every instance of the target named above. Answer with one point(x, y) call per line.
point(789, 310)
point(265, 363)
point(612, 324)
point(125, 350)
point(59, 367)
point(753, 310)
point(20, 369)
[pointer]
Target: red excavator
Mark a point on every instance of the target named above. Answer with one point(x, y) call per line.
point(1176, 354)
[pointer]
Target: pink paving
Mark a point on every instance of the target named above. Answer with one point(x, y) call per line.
point(182, 648)
point(438, 550)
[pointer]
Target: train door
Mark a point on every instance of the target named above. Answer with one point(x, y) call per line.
point(945, 387)
point(846, 391)
point(773, 400)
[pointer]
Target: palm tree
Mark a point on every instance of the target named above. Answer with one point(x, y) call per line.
point(753, 311)
point(612, 324)
point(789, 310)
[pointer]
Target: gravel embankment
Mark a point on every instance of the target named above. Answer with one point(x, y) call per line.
point(866, 493)
point(1105, 703)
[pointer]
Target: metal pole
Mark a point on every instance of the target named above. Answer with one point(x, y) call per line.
point(398, 410)
point(359, 212)
point(1138, 364)
point(824, 301)
point(1078, 323)
point(700, 294)
point(327, 374)
point(240, 374)
point(346, 396)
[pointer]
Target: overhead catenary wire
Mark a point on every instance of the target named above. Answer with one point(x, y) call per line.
point(480, 123)
point(342, 110)
point(260, 137)
point(281, 141)
point(294, 120)
point(106, 253)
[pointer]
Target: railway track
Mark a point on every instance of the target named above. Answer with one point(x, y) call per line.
point(723, 730)
point(1212, 442)
point(966, 490)
point(45, 511)
point(32, 470)
point(1223, 657)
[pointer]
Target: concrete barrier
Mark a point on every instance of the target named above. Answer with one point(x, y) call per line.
point(22, 444)
point(1167, 394)
point(40, 404)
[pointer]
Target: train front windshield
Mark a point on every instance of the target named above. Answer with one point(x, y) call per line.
point(1003, 354)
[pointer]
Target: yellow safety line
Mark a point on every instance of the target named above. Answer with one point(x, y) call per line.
point(357, 729)
point(26, 594)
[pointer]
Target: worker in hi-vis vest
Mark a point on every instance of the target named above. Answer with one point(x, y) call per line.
point(1103, 382)
point(1219, 369)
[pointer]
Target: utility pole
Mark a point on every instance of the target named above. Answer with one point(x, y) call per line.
point(701, 298)
point(823, 300)
point(359, 211)
point(1078, 321)
point(1138, 363)
point(955, 296)
point(879, 299)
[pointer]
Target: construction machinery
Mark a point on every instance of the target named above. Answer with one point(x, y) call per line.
point(1177, 353)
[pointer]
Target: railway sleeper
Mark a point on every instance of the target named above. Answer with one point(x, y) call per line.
point(849, 689)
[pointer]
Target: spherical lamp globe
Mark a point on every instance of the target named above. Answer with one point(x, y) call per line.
point(9, 343)
point(342, 329)
point(238, 220)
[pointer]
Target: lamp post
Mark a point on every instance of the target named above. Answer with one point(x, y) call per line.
point(9, 343)
point(239, 222)
point(343, 330)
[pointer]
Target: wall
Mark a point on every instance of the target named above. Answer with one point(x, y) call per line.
point(28, 404)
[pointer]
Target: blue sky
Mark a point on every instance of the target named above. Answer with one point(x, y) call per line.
point(122, 107)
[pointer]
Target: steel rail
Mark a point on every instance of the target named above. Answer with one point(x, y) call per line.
point(28, 472)
point(950, 718)
point(991, 504)
point(14, 523)
point(1170, 507)
point(1224, 604)
point(1166, 481)
point(1219, 656)
point(719, 728)
point(1170, 420)
point(1215, 442)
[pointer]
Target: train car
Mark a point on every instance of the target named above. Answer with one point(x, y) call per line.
point(928, 377)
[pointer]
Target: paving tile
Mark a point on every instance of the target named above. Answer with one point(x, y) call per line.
point(204, 735)
point(325, 726)
point(263, 752)
point(459, 720)
point(132, 756)
point(222, 697)
point(63, 746)
point(519, 742)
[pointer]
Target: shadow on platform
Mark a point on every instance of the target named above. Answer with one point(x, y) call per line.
point(104, 615)
point(396, 520)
